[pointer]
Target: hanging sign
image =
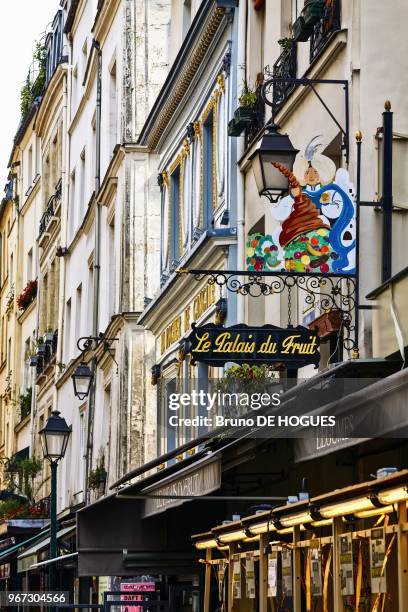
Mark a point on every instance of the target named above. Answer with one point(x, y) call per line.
point(250, 576)
point(287, 573)
point(273, 574)
point(236, 576)
point(315, 553)
point(377, 561)
point(346, 565)
point(216, 345)
point(221, 568)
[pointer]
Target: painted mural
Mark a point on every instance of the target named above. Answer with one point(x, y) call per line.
point(315, 228)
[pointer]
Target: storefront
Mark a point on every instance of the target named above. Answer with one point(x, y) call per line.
point(344, 550)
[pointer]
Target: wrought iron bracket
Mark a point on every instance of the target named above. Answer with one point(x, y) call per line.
point(311, 83)
point(92, 343)
point(325, 291)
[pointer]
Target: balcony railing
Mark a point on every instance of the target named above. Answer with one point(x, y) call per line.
point(49, 213)
point(284, 67)
point(54, 45)
point(323, 30)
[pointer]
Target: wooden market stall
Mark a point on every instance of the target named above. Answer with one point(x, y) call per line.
point(346, 550)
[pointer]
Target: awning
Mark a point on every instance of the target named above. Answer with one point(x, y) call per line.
point(16, 547)
point(29, 556)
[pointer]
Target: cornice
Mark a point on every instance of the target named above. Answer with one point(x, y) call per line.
point(185, 66)
point(104, 19)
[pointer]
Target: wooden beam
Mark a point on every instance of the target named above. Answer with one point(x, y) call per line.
point(338, 599)
point(263, 574)
point(297, 572)
point(402, 539)
point(207, 582)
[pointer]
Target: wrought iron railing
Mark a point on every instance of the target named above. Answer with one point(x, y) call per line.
point(284, 67)
point(50, 210)
point(323, 30)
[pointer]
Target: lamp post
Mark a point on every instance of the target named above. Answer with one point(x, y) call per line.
point(54, 440)
point(82, 380)
point(277, 148)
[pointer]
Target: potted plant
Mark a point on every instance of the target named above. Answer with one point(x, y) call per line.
point(27, 295)
point(48, 336)
point(301, 30)
point(245, 114)
point(327, 324)
point(97, 477)
point(313, 11)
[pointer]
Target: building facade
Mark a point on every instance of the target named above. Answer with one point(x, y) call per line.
point(134, 212)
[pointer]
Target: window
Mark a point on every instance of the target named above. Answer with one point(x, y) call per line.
point(113, 112)
point(82, 448)
point(84, 57)
point(111, 264)
point(186, 16)
point(26, 364)
point(208, 169)
point(29, 269)
point(175, 194)
point(72, 196)
point(90, 299)
point(82, 185)
point(67, 343)
point(30, 167)
point(78, 312)
point(74, 85)
point(11, 270)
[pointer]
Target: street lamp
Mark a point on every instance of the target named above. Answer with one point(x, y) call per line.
point(54, 440)
point(273, 147)
point(82, 379)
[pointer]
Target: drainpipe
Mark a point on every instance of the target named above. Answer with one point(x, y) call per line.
point(96, 267)
point(241, 71)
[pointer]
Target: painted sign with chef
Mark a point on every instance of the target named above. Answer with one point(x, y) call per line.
point(316, 221)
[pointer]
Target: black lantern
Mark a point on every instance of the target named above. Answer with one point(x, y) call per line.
point(273, 147)
point(54, 437)
point(82, 379)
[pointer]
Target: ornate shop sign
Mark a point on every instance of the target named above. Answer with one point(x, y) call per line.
point(216, 345)
point(316, 223)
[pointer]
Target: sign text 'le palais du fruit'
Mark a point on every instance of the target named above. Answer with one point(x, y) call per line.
point(217, 345)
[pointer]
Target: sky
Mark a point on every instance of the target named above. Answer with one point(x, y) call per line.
point(23, 22)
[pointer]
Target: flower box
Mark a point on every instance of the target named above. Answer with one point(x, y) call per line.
point(327, 324)
point(244, 116)
point(313, 12)
point(301, 30)
point(27, 295)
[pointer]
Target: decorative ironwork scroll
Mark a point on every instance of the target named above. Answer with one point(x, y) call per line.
point(323, 292)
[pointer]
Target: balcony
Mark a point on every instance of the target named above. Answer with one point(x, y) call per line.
point(325, 28)
point(50, 217)
point(54, 45)
point(284, 67)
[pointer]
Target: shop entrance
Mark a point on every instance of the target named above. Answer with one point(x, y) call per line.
point(184, 598)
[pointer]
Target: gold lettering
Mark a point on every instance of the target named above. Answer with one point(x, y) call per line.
point(204, 344)
point(187, 318)
point(291, 347)
point(268, 347)
point(225, 344)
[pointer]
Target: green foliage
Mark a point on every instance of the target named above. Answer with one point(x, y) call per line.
point(25, 403)
point(249, 96)
point(98, 475)
point(30, 91)
point(20, 475)
point(246, 379)
point(286, 44)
